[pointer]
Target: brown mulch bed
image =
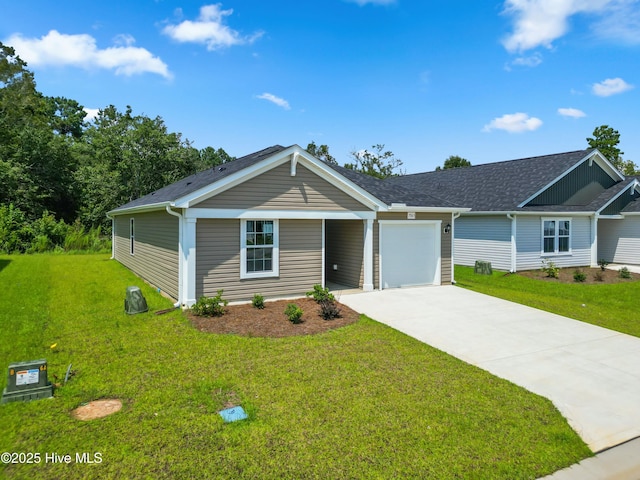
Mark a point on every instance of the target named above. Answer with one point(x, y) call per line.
point(566, 275)
point(246, 320)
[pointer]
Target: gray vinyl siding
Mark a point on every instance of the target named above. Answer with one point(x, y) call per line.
point(578, 187)
point(619, 203)
point(155, 257)
point(445, 242)
point(218, 260)
point(529, 243)
point(344, 247)
point(278, 190)
point(485, 237)
point(619, 240)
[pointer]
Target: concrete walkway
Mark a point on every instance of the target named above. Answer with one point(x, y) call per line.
point(591, 374)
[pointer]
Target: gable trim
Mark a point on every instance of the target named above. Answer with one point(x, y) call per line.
point(300, 157)
point(594, 155)
point(629, 190)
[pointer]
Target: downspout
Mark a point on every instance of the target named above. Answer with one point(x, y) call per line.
point(594, 240)
point(514, 250)
point(453, 246)
point(113, 236)
point(180, 267)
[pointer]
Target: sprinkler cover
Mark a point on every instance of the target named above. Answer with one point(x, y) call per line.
point(135, 302)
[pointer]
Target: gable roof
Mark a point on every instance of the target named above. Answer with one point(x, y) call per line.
point(504, 186)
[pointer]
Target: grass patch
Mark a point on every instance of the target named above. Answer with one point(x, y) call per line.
point(363, 401)
point(606, 305)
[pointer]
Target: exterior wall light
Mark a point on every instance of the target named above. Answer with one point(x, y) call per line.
point(447, 229)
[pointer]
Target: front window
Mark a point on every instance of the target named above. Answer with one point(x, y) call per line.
point(556, 236)
point(259, 248)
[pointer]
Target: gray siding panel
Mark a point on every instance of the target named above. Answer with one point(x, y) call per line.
point(278, 190)
point(485, 238)
point(218, 260)
point(619, 240)
point(529, 243)
point(344, 247)
point(155, 257)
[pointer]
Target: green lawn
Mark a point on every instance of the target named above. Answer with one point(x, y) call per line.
point(614, 306)
point(363, 401)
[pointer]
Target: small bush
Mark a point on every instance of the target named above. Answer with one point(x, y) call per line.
point(293, 313)
point(624, 273)
point(603, 264)
point(579, 276)
point(258, 301)
point(329, 309)
point(210, 307)
point(550, 269)
point(320, 294)
point(598, 277)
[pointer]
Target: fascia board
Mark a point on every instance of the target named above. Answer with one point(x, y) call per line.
point(535, 214)
point(409, 208)
point(594, 155)
point(142, 208)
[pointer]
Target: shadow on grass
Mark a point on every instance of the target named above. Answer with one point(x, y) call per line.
point(4, 263)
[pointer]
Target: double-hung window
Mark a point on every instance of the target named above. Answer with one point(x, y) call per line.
point(259, 249)
point(556, 236)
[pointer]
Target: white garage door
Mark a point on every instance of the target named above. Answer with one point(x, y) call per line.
point(409, 253)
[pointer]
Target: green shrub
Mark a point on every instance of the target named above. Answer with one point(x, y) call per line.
point(293, 313)
point(16, 233)
point(329, 309)
point(624, 273)
point(320, 294)
point(550, 269)
point(603, 264)
point(210, 306)
point(258, 301)
point(579, 276)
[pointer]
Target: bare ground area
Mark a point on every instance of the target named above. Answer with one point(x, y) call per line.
point(593, 275)
point(246, 320)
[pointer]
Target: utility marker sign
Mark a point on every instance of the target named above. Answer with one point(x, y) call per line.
point(27, 377)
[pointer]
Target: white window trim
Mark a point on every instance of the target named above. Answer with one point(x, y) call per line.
point(275, 272)
point(556, 242)
point(132, 236)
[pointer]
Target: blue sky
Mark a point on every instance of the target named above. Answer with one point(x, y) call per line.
point(485, 80)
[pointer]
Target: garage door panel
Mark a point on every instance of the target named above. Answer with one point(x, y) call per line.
point(409, 254)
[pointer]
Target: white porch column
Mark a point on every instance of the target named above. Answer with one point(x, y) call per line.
point(368, 255)
point(594, 240)
point(189, 262)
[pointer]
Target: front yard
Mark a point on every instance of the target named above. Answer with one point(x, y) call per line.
point(360, 401)
point(613, 305)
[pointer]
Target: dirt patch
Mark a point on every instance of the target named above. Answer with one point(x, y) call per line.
point(594, 275)
point(97, 409)
point(246, 320)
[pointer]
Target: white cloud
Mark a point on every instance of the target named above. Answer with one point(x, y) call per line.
point(622, 22)
point(281, 102)
point(530, 61)
point(209, 29)
point(540, 22)
point(571, 112)
point(58, 49)
point(610, 86)
point(514, 123)
point(91, 114)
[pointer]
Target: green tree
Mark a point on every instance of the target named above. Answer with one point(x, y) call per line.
point(210, 157)
point(454, 161)
point(606, 140)
point(377, 163)
point(321, 152)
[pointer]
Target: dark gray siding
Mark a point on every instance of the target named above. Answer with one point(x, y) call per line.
point(579, 187)
point(155, 257)
point(619, 203)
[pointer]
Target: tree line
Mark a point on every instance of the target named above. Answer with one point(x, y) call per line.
point(61, 174)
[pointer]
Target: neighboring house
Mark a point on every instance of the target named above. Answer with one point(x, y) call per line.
point(279, 221)
point(571, 208)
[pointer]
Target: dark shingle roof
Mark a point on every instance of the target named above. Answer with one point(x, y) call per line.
point(199, 180)
point(499, 186)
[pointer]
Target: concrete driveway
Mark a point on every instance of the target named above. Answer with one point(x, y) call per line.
point(591, 374)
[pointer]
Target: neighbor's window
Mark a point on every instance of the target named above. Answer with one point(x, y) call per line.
point(259, 248)
point(556, 236)
point(132, 236)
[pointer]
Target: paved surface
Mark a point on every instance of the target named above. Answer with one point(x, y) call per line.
point(591, 374)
